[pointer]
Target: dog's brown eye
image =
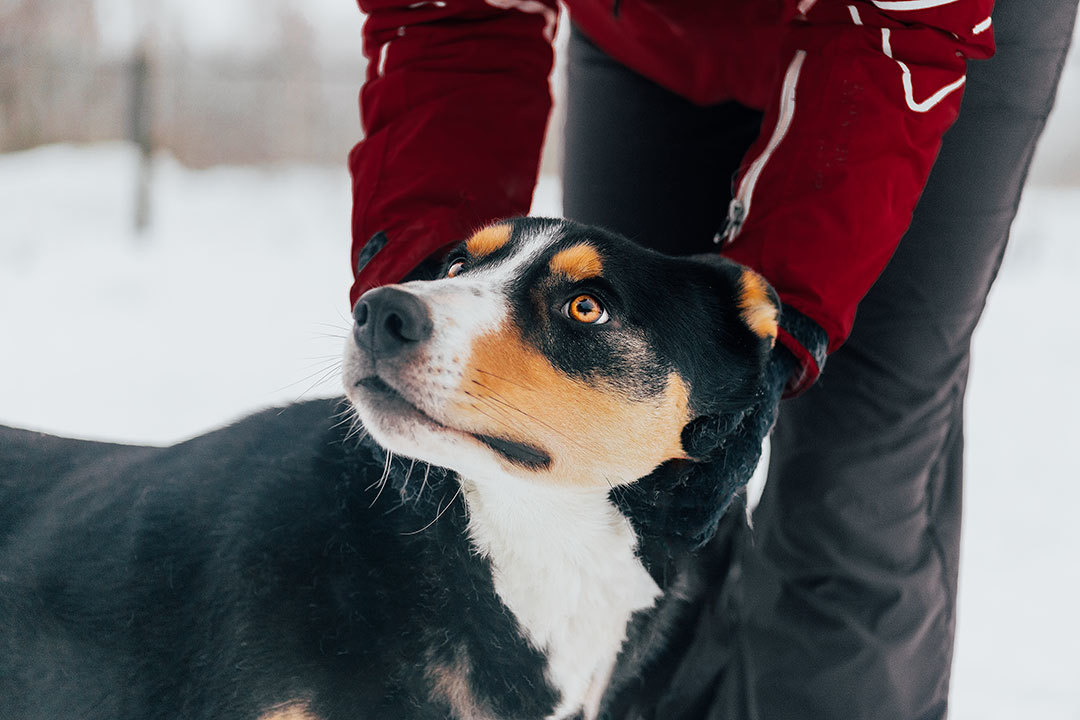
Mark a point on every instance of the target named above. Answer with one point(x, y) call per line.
point(455, 268)
point(586, 309)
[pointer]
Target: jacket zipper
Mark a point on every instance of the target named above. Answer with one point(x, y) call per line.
point(739, 208)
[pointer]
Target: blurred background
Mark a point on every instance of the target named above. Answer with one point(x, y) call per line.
point(174, 253)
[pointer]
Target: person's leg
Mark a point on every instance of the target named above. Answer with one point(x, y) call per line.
point(643, 161)
point(847, 600)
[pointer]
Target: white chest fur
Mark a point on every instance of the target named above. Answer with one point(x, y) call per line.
point(564, 564)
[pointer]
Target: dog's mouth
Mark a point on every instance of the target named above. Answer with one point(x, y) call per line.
point(390, 400)
point(519, 453)
point(375, 384)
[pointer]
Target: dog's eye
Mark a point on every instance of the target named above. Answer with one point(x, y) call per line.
point(455, 268)
point(586, 309)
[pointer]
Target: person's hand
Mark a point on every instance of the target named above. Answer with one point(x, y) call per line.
point(681, 503)
point(679, 506)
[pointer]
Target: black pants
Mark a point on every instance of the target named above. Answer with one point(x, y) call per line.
point(843, 603)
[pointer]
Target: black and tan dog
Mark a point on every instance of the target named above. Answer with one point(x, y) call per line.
point(469, 559)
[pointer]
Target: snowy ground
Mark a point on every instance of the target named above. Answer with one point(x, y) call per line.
point(236, 299)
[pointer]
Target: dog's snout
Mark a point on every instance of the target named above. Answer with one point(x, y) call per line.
point(389, 320)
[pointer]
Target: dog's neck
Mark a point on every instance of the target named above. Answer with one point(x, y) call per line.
point(564, 563)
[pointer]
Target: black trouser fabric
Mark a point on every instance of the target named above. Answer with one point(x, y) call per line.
point(842, 604)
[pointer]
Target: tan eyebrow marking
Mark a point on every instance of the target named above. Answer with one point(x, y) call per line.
point(758, 309)
point(488, 240)
point(579, 262)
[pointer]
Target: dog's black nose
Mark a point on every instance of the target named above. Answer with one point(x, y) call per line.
point(389, 320)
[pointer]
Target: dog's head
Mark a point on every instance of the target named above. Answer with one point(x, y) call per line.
point(558, 353)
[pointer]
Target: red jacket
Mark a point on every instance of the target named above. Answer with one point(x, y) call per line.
point(856, 94)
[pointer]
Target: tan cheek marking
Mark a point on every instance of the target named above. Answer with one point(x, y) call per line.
point(488, 240)
point(758, 310)
point(292, 710)
point(579, 262)
point(595, 434)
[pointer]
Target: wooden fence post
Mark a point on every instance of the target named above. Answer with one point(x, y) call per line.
point(140, 122)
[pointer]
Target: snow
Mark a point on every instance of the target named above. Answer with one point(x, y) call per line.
point(236, 299)
point(237, 28)
point(1018, 646)
point(226, 305)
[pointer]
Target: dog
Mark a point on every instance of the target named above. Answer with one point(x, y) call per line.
point(465, 549)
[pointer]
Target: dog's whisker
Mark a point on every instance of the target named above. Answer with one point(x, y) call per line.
point(621, 491)
point(357, 432)
point(382, 481)
point(442, 511)
point(495, 393)
point(334, 326)
point(492, 400)
point(385, 473)
point(408, 474)
point(423, 484)
point(502, 422)
point(487, 401)
point(355, 424)
point(377, 495)
point(500, 377)
point(320, 358)
point(330, 366)
point(615, 494)
point(347, 320)
point(326, 376)
point(509, 423)
point(347, 412)
point(341, 422)
point(631, 488)
point(321, 367)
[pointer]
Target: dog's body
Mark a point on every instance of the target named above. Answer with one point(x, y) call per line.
point(285, 568)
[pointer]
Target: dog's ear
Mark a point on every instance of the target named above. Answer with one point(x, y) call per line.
point(740, 313)
point(758, 303)
point(759, 306)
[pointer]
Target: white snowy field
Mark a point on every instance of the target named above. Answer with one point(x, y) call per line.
point(236, 299)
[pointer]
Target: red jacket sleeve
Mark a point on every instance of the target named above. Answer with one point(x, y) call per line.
point(454, 109)
point(847, 143)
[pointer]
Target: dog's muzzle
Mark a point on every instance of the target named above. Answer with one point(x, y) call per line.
point(390, 321)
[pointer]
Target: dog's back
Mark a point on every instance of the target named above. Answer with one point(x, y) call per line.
point(58, 507)
point(112, 561)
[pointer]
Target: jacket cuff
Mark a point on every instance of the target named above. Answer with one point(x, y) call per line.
point(805, 339)
point(376, 264)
